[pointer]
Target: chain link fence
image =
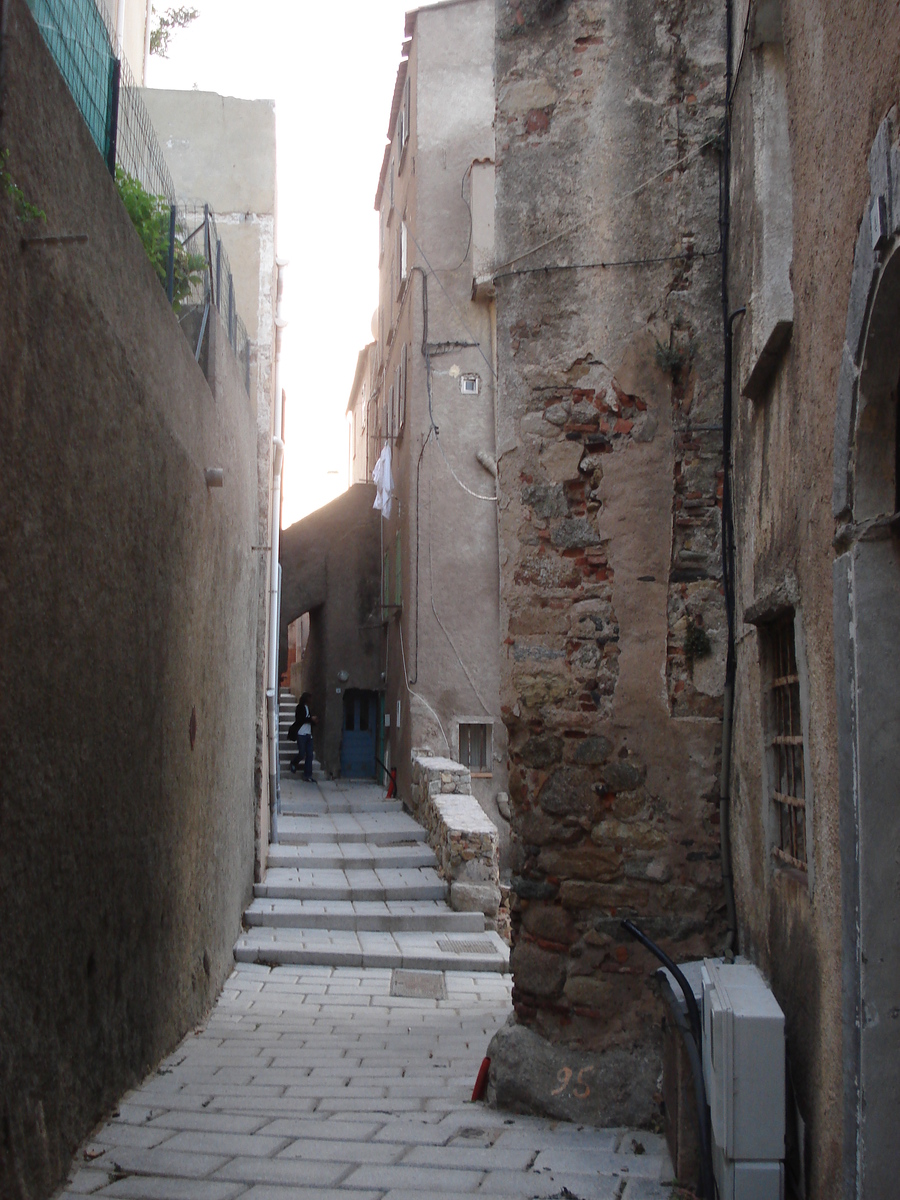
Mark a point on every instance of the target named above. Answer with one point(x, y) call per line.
point(183, 244)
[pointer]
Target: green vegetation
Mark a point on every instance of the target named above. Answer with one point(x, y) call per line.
point(696, 644)
point(150, 217)
point(166, 24)
point(673, 359)
point(25, 210)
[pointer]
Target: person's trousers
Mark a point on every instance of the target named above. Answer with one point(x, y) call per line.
point(304, 754)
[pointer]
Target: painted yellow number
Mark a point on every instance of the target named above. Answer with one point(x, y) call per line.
point(563, 1075)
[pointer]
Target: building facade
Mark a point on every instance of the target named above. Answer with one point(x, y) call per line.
point(613, 628)
point(431, 403)
point(813, 302)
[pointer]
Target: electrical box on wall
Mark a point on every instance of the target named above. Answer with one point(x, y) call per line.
point(744, 1072)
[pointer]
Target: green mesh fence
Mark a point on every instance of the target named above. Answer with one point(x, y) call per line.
point(80, 41)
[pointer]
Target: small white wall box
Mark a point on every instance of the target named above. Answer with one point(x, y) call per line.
point(744, 1073)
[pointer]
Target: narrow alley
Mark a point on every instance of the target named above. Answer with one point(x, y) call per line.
point(347, 1069)
point(316, 1081)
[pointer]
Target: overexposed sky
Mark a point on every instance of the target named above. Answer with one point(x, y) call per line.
point(330, 69)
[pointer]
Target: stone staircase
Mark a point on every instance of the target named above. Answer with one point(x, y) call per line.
point(287, 706)
point(352, 882)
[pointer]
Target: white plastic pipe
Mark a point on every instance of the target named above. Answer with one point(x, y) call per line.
point(120, 28)
point(148, 20)
point(277, 465)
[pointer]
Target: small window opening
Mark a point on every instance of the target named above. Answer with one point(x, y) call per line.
point(787, 783)
point(475, 748)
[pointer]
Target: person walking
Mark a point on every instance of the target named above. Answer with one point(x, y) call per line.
point(303, 723)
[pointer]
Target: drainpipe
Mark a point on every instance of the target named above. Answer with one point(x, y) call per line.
point(274, 565)
point(727, 507)
point(120, 28)
point(147, 20)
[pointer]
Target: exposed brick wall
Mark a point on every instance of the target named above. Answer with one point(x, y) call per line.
point(610, 470)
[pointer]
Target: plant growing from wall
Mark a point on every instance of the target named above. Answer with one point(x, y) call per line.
point(673, 359)
point(150, 216)
point(696, 645)
point(25, 210)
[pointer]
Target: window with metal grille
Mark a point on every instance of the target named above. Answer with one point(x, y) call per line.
point(784, 738)
point(475, 748)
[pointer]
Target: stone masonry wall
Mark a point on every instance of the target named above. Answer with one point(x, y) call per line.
point(609, 349)
point(465, 840)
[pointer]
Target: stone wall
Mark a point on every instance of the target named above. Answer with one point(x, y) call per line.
point(796, 455)
point(465, 840)
point(127, 625)
point(609, 383)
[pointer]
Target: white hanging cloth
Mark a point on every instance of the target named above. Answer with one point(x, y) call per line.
point(383, 479)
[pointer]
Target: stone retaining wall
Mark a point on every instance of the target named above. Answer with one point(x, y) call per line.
point(465, 840)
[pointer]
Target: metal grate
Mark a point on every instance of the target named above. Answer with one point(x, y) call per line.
point(81, 41)
point(418, 985)
point(787, 780)
point(466, 946)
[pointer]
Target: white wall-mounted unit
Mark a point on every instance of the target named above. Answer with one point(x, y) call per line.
point(744, 1072)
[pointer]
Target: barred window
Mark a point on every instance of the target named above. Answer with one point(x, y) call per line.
point(784, 739)
point(475, 748)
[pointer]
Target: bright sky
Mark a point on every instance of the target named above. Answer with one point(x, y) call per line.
point(330, 69)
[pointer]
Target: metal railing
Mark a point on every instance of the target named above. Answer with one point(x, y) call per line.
point(197, 275)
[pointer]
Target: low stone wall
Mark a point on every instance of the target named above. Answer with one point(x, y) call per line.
point(465, 840)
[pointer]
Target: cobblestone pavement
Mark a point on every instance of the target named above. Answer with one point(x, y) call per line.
point(317, 1082)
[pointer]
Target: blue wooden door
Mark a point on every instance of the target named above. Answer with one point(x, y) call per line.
point(358, 738)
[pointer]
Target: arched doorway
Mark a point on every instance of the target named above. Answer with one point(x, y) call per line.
point(867, 654)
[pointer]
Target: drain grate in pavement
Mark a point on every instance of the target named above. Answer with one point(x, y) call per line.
point(464, 946)
point(418, 985)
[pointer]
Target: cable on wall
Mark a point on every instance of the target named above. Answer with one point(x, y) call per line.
point(712, 141)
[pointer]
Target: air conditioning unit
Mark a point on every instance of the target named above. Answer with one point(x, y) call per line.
point(744, 1073)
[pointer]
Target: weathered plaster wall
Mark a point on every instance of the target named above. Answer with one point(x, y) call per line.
point(220, 151)
point(127, 617)
point(446, 670)
point(609, 415)
point(784, 450)
point(331, 568)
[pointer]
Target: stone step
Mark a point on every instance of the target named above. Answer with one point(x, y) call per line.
point(367, 915)
point(411, 951)
point(391, 883)
point(349, 856)
point(300, 800)
point(378, 829)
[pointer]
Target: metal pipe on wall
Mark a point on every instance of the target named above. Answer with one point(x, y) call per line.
point(146, 62)
point(274, 574)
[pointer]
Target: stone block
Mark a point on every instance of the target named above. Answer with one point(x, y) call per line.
point(590, 751)
point(559, 461)
point(541, 751)
point(550, 923)
point(475, 897)
point(545, 500)
point(531, 1075)
point(538, 971)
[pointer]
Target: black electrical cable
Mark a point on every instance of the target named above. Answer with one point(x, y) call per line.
point(707, 1178)
point(728, 547)
point(695, 1040)
point(621, 262)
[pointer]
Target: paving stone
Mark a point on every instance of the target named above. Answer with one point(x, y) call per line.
point(287, 1172)
point(148, 1187)
point(413, 1178)
point(160, 1161)
point(85, 1181)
